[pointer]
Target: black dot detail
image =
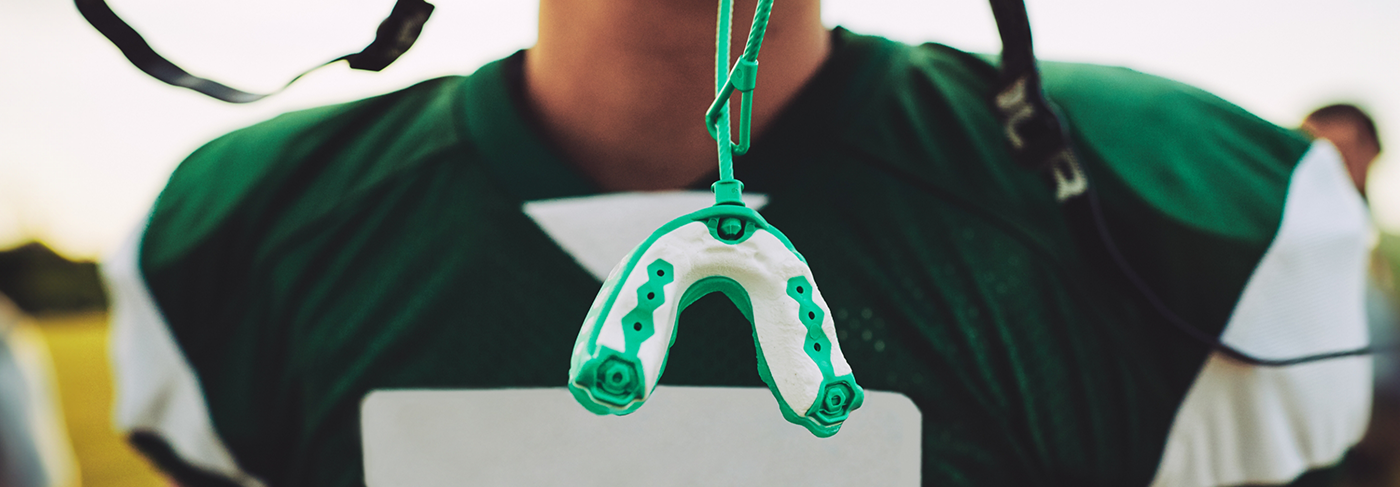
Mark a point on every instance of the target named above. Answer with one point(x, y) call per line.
point(660, 272)
point(817, 347)
point(799, 289)
point(811, 315)
point(637, 326)
point(651, 295)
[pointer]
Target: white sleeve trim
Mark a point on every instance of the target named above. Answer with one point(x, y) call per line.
point(1241, 424)
point(156, 389)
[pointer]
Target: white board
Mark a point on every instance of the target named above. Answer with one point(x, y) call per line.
point(682, 436)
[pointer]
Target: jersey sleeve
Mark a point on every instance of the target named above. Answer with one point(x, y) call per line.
point(1190, 182)
point(200, 389)
point(157, 333)
point(1242, 424)
point(1245, 229)
point(1193, 187)
point(159, 403)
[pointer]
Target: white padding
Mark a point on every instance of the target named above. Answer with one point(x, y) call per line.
point(685, 436)
point(1242, 424)
point(157, 391)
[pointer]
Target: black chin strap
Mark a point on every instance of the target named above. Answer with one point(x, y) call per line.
point(395, 35)
point(1037, 139)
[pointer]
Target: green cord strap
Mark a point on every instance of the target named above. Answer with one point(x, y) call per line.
point(741, 78)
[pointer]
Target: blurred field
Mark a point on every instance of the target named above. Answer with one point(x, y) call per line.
point(78, 344)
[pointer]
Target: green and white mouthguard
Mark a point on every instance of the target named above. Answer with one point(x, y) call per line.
point(622, 347)
point(727, 248)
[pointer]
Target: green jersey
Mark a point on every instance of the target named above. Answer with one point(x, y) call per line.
point(297, 265)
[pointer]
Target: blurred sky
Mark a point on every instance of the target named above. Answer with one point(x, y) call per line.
point(87, 141)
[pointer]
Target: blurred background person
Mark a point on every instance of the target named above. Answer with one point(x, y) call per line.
point(19, 452)
point(55, 392)
point(34, 449)
point(1353, 132)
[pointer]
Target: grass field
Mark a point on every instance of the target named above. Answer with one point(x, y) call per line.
point(78, 345)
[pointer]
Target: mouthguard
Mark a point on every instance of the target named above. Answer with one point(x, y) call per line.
point(625, 338)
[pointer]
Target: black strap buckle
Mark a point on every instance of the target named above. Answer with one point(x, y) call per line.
point(1035, 135)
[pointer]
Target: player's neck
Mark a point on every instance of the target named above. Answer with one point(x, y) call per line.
point(621, 86)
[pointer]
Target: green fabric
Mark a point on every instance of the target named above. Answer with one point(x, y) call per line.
point(310, 259)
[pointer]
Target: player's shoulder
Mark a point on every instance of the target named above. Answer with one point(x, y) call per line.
point(1138, 112)
point(1122, 104)
point(1151, 136)
point(1161, 139)
point(1108, 102)
point(315, 157)
point(372, 137)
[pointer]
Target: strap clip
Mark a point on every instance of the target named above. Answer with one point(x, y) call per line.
point(742, 79)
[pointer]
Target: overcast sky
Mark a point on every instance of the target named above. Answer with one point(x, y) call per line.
point(87, 141)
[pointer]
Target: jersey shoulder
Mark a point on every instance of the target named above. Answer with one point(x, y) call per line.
point(1134, 107)
point(1140, 134)
point(1160, 135)
point(302, 163)
point(1192, 186)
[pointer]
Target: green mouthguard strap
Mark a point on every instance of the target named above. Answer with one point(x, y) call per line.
point(729, 191)
point(622, 346)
